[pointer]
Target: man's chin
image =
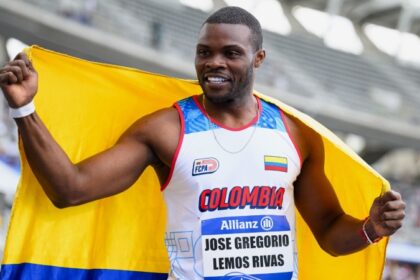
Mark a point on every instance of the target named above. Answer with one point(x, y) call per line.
point(218, 98)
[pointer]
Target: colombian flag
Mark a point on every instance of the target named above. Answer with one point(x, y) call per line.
point(275, 163)
point(86, 106)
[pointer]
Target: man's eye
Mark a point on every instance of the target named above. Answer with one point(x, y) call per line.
point(232, 53)
point(202, 52)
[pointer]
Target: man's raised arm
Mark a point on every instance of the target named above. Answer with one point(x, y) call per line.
point(65, 183)
point(336, 232)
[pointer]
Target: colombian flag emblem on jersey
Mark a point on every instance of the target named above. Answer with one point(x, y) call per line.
point(275, 163)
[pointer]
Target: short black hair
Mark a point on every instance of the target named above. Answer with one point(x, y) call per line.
point(236, 15)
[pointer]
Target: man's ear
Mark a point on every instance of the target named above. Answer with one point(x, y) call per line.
point(259, 58)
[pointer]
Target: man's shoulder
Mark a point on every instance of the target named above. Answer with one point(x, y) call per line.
point(155, 124)
point(168, 114)
point(303, 136)
point(308, 139)
point(159, 120)
point(159, 130)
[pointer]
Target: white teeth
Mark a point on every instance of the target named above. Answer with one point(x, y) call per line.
point(216, 79)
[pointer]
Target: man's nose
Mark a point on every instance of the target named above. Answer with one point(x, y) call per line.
point(216, 61)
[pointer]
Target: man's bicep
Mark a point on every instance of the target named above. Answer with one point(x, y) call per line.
point(314, 195)
point(116, 168)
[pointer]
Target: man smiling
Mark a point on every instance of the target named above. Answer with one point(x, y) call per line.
point(206, 138)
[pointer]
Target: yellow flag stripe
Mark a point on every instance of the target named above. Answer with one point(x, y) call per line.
point(275, 159)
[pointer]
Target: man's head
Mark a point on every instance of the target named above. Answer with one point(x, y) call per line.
point(236, 15)
point(229, 48)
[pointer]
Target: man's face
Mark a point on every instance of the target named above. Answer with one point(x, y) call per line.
point(225, 60)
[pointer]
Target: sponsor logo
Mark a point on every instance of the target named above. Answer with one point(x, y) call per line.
point(238, 224)
point(267, 223)
point(205, 166)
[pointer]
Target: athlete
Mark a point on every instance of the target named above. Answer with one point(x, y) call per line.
point(223, 209)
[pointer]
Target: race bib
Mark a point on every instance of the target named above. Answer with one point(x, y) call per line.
point(247, 247)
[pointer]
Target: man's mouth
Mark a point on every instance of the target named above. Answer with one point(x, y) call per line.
point(216, 80)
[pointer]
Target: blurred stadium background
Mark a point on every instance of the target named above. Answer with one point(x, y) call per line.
point(354, 65)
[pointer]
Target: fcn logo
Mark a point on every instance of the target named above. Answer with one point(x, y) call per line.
point(205, 166)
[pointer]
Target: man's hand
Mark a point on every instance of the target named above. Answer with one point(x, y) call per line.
point(386, 215)
point(19, 81)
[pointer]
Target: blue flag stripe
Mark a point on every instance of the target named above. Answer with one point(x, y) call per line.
point(276, 164)
point(42, 272)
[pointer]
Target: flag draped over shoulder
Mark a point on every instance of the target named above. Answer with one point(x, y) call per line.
point(86, 106)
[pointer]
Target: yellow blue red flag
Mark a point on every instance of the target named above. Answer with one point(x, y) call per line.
point(86, 106)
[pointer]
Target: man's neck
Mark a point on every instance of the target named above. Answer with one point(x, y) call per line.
point(235, 113)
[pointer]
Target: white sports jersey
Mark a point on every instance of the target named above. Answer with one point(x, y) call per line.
point(229, 198)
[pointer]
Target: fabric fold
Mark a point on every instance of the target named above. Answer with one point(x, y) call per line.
point(86, 106)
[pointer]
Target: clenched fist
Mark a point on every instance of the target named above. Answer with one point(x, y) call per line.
point(386, 215)
point(19, 81)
